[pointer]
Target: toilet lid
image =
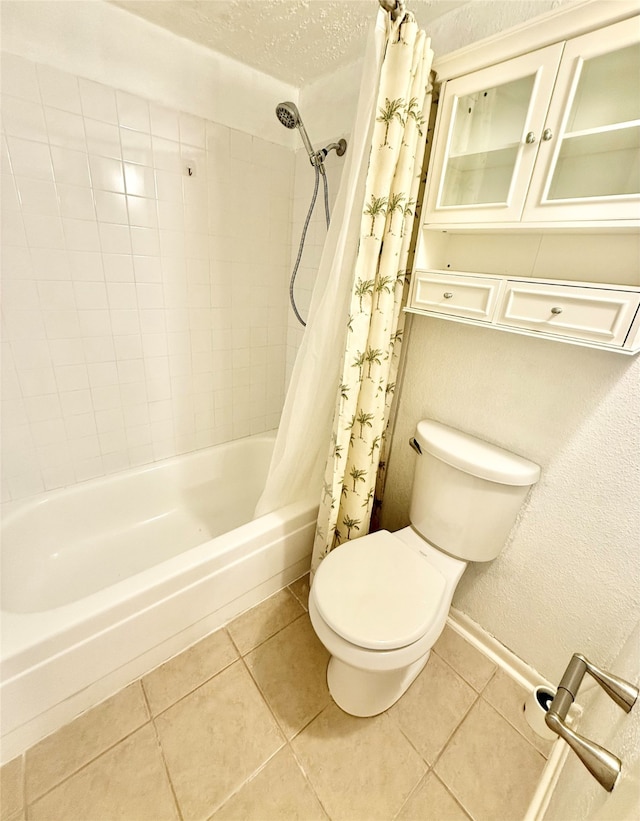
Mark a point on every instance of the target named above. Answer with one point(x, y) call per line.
point(378, 593)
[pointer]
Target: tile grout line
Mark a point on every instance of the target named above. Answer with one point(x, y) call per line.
point(265, 640)
point(151, 717)
point(301, 766)
point(162, 756)
point(193, 689)
point(94, 758)
point(247, 780)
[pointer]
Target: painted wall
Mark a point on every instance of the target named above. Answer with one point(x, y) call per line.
point(568, 579)
point(144, 310)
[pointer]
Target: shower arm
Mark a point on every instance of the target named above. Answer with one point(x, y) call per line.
point(602, 764)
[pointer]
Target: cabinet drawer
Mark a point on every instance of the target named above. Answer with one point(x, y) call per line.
point(595, 314)
point(455, 295)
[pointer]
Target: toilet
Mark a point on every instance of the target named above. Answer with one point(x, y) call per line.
point(379, 603)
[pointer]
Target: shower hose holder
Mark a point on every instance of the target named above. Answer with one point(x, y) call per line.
point(602, 764)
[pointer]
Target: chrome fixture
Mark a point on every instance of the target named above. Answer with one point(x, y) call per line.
point(602, 764)
point(289, 116)
point(396, 8)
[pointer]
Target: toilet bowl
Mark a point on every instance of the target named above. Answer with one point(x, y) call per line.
point(380, 602)
point(380, 614)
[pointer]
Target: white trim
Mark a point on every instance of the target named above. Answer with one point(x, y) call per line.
point(529, 678)
point(568, 21)
point(489, 646)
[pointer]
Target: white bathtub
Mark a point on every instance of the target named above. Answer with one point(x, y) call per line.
point(106, 580)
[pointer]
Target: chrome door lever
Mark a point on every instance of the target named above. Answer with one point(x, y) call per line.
point(602, 764)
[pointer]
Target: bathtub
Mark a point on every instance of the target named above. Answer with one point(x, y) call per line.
point(104, 581)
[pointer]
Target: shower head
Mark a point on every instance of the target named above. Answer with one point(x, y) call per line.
point(289, 116)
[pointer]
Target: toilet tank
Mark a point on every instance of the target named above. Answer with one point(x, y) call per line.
point(466, 492)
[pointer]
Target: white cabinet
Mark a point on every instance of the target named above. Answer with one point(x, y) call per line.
point(579, 313)
point(473, 297)
point(589, 169)
point(601, 317)
point(551, 135)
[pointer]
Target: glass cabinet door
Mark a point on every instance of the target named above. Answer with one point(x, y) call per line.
point(487, 139)
point(589, 161)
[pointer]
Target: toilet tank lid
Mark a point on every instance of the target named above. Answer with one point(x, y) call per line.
point(474, 456)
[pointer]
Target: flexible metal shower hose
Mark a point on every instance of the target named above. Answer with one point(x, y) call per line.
point(303, 236)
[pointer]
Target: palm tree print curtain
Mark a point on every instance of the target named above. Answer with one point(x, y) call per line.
point(375, 322)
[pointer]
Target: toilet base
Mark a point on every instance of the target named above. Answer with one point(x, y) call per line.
point(367, 693)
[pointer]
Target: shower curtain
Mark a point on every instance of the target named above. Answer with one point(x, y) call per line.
point(375, 323)
point(337, 407)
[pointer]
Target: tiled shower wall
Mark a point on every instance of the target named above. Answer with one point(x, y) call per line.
point(144, 307)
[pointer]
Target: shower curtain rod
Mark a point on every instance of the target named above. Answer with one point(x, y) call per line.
point(396, 8)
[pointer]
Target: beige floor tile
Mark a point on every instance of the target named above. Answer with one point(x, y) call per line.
point(432, 708)
point(362, 769)
point(63, 753)
point(127, 782)
point(265, 620)
point(279, 792)
point(215, 738)
point(182, 674)
point(291, 671)
point(489, 767)
point(432, 802)
point(11, 788)
point(508, 697)
point(474, 667)
point(300, 589)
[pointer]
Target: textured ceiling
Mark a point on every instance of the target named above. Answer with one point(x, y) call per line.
point(297, 41)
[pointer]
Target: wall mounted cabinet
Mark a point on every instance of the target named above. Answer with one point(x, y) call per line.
point(553, 135)
point(531, 213)
point(578, 312)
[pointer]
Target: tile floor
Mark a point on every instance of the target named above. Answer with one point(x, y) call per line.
point(241, 726)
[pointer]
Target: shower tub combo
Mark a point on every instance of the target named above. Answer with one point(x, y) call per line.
point(106, 580)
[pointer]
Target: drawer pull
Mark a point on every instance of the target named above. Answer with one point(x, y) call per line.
point(556, 311)
point(447, 295)
point(530, 138)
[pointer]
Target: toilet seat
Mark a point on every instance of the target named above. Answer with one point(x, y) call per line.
point(378, 593)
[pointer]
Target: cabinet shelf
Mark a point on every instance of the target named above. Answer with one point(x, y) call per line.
point(602, 129)
point(460, 156)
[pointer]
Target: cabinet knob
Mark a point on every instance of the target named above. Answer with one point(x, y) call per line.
point(447, 295)
point(530, 138)
point(556, 311)
point(547, 134)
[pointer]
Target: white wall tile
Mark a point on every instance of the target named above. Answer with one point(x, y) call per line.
point(65, 129)
point(133, 112)
point(164, 122)
point(37, 196)
point(98, 101)
point(76, 202)
point(107, 174)
point(30, 158)
point(139, 301)
point(23, 118)
point(70, 167)
point(81, 235)
point(136, 146)
point(59, 89)
point(103, 139)
point(18, 77)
